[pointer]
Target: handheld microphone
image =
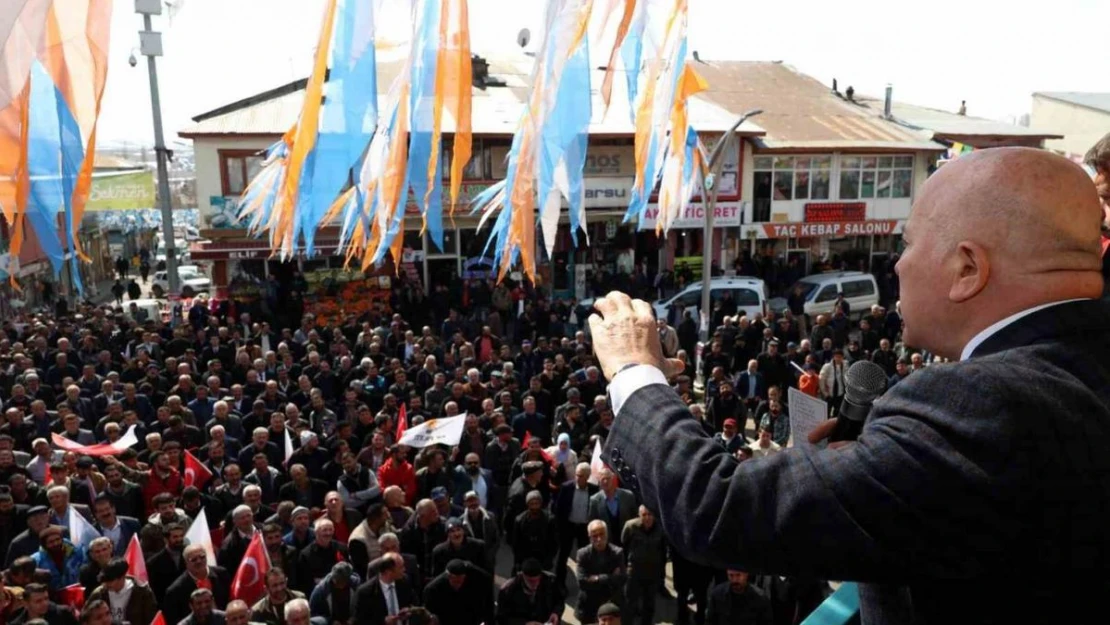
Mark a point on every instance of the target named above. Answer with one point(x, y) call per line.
point(864, 382)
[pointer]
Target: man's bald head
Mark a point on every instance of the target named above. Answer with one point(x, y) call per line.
point(994, 233)
point(1032, 205)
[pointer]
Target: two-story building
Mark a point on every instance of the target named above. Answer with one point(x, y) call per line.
point(836, 173)
point(229, 141)
point(1082, 117)
point(819, 175)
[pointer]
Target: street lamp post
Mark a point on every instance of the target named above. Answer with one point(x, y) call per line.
point(710, 189)
point(151, 47)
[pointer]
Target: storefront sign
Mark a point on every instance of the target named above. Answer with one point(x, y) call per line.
point(608, 192)
point(615, 162)
point(610, 160)
point(601, 160)
point(726, 215)
point(129, 190)
point(831, 230)
point(828, 212)
point(261, 252)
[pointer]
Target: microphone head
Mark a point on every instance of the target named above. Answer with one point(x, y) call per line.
point(864, 382)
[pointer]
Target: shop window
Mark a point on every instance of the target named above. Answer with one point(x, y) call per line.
point(785, 178)
point(473, 243)
point(761, 200)
point(477, 168)
point(865, 177)
point(413, 240)
point(449, 243)
point(237, 169)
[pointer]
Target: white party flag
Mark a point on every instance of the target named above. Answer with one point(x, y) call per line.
point(434, 432)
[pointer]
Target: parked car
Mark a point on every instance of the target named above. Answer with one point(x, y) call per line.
point(748, 293)
point(148, 309)
point(820, 291)
point(192, 284)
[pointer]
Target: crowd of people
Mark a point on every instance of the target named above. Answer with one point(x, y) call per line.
point(359, 528)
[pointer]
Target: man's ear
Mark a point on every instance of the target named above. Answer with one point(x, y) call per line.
point(971, 271)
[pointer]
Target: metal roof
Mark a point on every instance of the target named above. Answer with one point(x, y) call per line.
point(1097, 101)
point(945, 123)
point(800, 112)
point(495, 110)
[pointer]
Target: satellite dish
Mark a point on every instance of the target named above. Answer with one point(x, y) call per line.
point(523, 37)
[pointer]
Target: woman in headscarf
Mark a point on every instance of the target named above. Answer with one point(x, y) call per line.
point(565, 459)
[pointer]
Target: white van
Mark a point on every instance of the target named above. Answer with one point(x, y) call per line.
point(149, 309)
point(820, 291)
point(748, 294)
point(191, 284)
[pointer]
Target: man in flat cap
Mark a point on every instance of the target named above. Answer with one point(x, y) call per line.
point(531, 596)
point(609, 614)
point(460, 595)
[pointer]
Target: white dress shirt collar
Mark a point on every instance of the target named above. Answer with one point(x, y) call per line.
point(995, 327)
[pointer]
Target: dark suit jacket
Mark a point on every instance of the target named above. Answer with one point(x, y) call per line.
point(608, 566)
point(24, 544)
point(516, 606)
point(176, 606)
point(318, 489)
point(128, 527)
point(965, 477)
point(627, 509)
point(743, 381)
point(564, 501)
point(232, 550)
point(370, 606)
point(163, 572)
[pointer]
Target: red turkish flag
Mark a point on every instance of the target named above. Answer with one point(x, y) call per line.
point(72, 596)
point(250, 580)
point(158, 619)
point(543, 452)
point(196, 474)
point(136, 565)
point(402, 422)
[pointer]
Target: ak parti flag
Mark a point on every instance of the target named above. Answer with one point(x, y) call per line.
point(597, 464)
point(288, 447)
point(136, 565)
point(249, 583)
point(196, 474)
point(402, 422)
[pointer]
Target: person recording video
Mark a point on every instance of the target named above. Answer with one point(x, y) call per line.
point(965, 477)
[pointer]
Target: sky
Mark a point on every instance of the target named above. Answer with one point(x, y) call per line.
point(992, 53)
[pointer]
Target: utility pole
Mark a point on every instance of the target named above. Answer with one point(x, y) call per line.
point(150, 43)
point(709, 192)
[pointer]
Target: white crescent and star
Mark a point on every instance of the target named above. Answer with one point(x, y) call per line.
point(253, 565)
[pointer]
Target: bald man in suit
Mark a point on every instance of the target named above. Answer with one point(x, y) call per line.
point(966, 476)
